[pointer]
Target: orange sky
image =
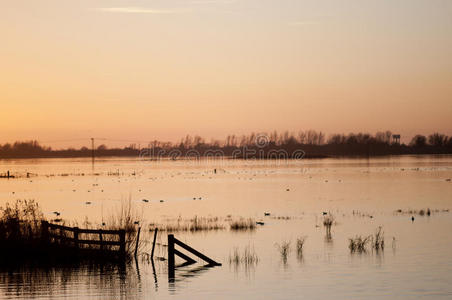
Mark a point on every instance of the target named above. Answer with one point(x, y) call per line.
point(142, 70)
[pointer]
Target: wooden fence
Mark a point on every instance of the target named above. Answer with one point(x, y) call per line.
point(70, 237)
point(172, 252)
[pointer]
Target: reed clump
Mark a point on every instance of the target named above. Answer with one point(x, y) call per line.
point(242, 224)
point(128, 218)
point(378, 240)
point(247, 257)
point(20, 223)
point(194, 224)
point(358, 244)
point(300, 243)
point(26, 235)
point(284, 249)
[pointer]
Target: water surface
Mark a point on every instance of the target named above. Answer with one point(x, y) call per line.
point(362, 194)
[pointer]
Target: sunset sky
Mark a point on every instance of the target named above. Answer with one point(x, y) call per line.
point(143, 70)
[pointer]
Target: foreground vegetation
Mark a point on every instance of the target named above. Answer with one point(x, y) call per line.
point(24, 235)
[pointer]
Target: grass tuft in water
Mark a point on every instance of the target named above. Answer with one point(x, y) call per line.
point(284, 249)
point(378, 240)
point(358, 244)
point(248, 256)
point(300, 244)
point(242, 224)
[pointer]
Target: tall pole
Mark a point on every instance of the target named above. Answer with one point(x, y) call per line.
point(92, 152)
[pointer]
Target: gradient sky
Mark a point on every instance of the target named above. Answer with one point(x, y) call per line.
point(142, 70)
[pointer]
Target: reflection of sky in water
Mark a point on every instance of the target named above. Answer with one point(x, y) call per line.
point(419, 264)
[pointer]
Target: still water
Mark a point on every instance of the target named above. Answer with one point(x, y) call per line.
point(361, 194)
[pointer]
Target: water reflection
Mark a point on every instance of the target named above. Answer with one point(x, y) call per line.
point(36, 281)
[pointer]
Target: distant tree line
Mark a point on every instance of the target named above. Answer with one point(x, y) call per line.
point(312, 143)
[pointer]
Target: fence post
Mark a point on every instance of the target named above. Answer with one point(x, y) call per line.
point(122, 240)
point(138, 241)
point(101, 242)
point(76, 237)
point(153, 243)
point(171, 266)
point(45, 231)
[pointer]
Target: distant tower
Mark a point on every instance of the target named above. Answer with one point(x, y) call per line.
point(396, 138)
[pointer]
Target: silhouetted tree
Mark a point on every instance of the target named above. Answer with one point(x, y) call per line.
point(418, 141)
point(437, 139)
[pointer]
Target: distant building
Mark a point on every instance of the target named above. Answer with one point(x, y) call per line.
point(396, 138)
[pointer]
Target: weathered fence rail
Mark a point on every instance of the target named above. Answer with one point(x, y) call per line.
point(70, 236)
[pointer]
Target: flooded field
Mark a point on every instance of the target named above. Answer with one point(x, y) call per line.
point(287, 202)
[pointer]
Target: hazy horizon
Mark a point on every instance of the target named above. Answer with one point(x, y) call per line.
point(145, 70)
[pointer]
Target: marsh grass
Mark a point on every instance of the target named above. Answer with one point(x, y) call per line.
point(300, 243)
point(421, 212)
point(247, 257)
point(194, 224)
point(358, 244)
point(242, 224)
point(284, 250)
point(20, 222)
point(126, 217)
point(22, 236)
point(328, 223)
point(378, 240)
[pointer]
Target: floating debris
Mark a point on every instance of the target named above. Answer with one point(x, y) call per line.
point(145, 200)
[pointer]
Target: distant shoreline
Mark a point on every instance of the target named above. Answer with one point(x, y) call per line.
point(307, 145)
point(152, 158)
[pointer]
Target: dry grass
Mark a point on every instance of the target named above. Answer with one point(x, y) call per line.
point(20, 222)
point(248, 256)
point(378, 240)
point(242, 224)
point(358, 244)
point(300, 244)
point(284, 249)
point(194, 224)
